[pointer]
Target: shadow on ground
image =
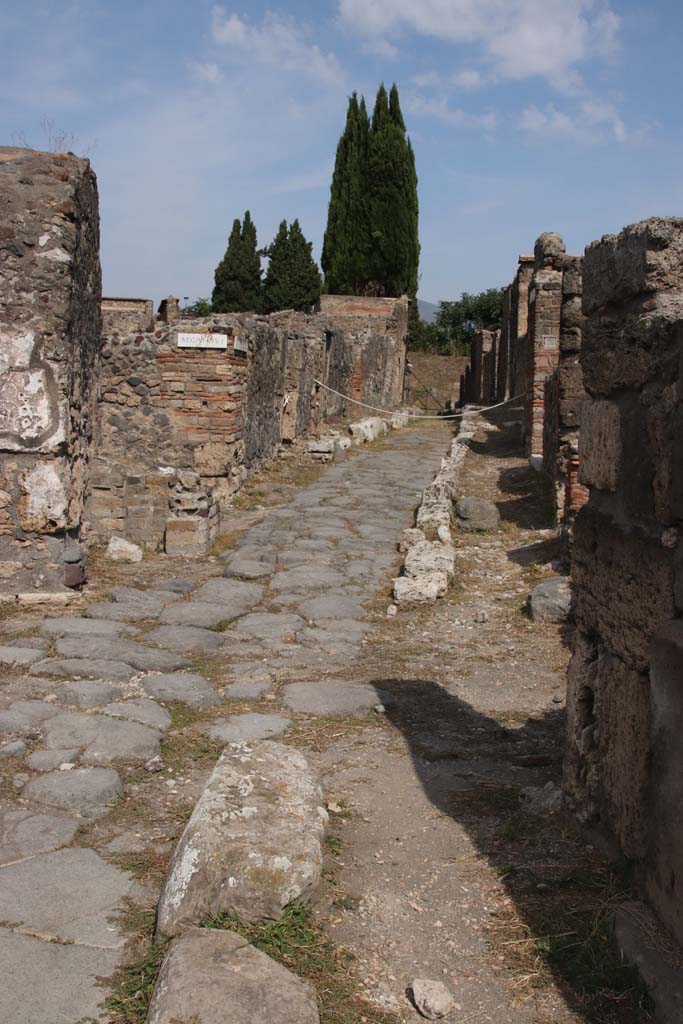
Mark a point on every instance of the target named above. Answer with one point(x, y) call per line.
point(557, 925)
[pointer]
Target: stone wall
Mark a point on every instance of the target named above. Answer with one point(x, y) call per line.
point(480, 365)
point(220, 413)
point(489, 369)
point(503, 359)
point(519, 315)
point(50, 291)
point(624, 768)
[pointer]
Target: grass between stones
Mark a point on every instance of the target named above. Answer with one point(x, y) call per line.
point(9, 767)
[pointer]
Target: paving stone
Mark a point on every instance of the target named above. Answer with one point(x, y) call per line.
point(132, 612)
point(83, 791)
point(16, 748)
point(134, 595)
point(37, 711)
point(146, 712)
point(253, 843)
point(25, 833)
point(34, 643)
point(66, 896)
point(331, 606)
point(332, 697)
point(184, 687)
point(251, 726)
point(214, 977)
point(309, 577)
point(88, 693)
point(103, 739)
point(51, 983)
point(177, 585)
point(21, 720)
point(247, 689)
point(19, 656)
point(268, 625)
point(146, 659)
point(84, 668)
point(242, 567)
point(51, 760)
point(203, 614)
point(65, 626)
point(235, 597)
point(184, 639)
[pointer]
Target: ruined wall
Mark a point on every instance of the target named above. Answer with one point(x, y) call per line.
point(624, 766)
point(519, 314)
point(543, 331)
point(489, 369)
point(201, 419)
point(50, 290)
point(564, 395)
point(480, 365)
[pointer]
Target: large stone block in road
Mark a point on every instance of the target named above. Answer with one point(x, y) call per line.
point(215, 977)
point(184, 687)
point(52, 982)
point(88, 792)
point(235, 597)
point(104, 740)
point(66, 896)
point(73, 626)
point(201, 614)
point(253, 843)
point(145, 659)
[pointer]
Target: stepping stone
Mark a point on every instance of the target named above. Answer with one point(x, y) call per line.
point(88, 694)
point(104, 740)
point(184, 639)
point(65, 626)
point(236, 597)
point(85, 668)
point(215, 977)
point(177, 585)
point(332, 697)
point(66, 896)
point(183, 687)
point(52, 760)
point(304, 578)
point(83, 791)
point(239, 728)
point(19, 656)
point(48, 981)
point(269, 625)
point(146, 712)
point(25, 833)
point(24, 717)
point(145, 659)
point(247, 689)
point(203, 614)
point(331, 606)
point(253, 842)
point(34, 643)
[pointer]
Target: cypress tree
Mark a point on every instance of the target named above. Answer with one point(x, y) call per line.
point(293, 279)
point(393, 201)
point(238, 275)
point(345, 248)
point(304, 276)
point(275, 287)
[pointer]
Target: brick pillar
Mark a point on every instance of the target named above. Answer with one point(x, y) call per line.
point(519, 311)
point(543, 350)
point(624, 764)
point(50, 337)
point(503, 367)
point(490, 365)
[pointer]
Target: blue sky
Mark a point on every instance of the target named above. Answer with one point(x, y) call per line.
point(525, 115)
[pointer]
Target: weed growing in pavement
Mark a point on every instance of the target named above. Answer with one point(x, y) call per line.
point(133, 982)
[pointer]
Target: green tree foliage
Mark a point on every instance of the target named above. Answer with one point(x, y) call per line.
point(292, 280)
point(457, 321)
point(371, 242)
point(238, 276)
point(200, 307)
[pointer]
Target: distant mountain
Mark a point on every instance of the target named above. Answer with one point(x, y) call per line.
point(428, 310)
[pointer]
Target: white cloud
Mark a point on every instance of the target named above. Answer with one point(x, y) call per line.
point(519, 38)
point(206, 72)
point(468, 78)
point(276, 41)
point(381, 48)
point(593, 120)
point(438, 108)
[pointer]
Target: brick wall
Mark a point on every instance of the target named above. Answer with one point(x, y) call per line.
point(543, 329)
point(624, 767)
point(503, 359)
point(519, 313)
point(50, 290)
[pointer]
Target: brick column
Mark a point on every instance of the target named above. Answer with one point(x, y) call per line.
point(543, 351)
point(519, 312)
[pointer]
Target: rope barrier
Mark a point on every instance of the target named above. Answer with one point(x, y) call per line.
point(415, 416)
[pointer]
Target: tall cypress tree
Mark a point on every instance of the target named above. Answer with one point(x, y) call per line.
point(371, 243)
point(275, 287)
point(238, 275)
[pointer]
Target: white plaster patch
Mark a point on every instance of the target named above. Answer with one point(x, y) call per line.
point(55, 256)
point(15, 351)
point(47, 500)
point(44, 239)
